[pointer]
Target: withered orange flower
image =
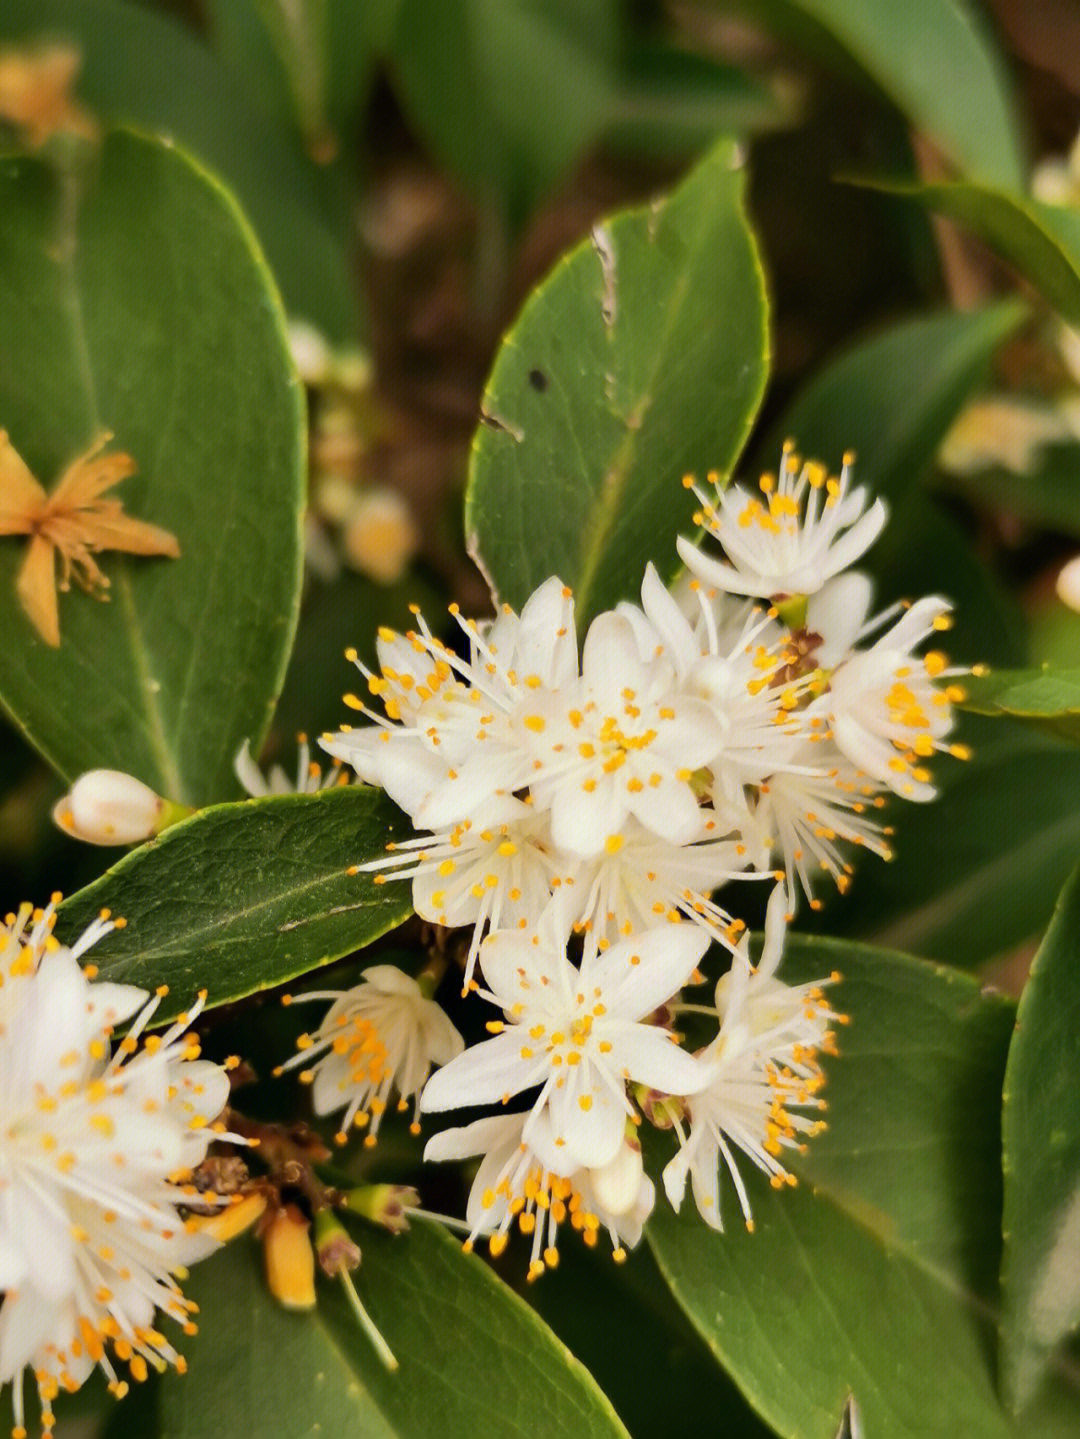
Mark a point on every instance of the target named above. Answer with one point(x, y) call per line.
point(73, 523)
point(35, 94)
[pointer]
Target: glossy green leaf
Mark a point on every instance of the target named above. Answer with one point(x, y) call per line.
point(149, 70)
point(242, 897)
point(892, 398)
point(1041, 241)
point(473, 1357)
point(936, 61)
point(1040, 1275)
point(976, 873)
point(477, 78)
point(873, 1276)
point(643, 356)
point(1045, 698)
point(178, 349)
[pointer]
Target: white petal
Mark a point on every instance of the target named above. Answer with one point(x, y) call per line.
point(484, 1074)
point(666, 958)
point(653, 1058)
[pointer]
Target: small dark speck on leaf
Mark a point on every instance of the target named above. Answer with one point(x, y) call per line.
point(538, 380)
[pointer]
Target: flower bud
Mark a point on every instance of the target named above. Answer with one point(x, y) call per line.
point(1068, 584)
point(334, 1248)
point(227, 1223)
point(385, 1204)
point(617, 1185)
point(105, 806)
point(380, 536)
point(290, 1259)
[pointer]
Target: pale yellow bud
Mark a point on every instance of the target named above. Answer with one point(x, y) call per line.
point(290, 1259)
point(106, 806)
point(380, 536)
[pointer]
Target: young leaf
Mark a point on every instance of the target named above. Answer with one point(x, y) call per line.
point(242, 897)
point(168, 333)
point(148, 70)
point(1040, 1275)
point(937, 63)
point(474, 1359)
point(1041, 241)
point(641, 357)
point(871, 1278)
point(1047, 699)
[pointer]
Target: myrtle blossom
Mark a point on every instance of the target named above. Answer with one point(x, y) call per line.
point(522, 1181)
point(885, 712)
point(578, 1033)
point(384, 1034)
point(494, 870)
point(310, 777)
point(804, 528)
point(639, 881)
point(622, 740)
point(806, 810)
point(453, 735)
point(763, 1069)
point(96, 1156)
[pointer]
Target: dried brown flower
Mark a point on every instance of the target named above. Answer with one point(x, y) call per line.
point(73, 523)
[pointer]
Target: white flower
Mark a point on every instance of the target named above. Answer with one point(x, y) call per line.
point(1001, 430)
point(309, 773)
point(383, 1034)
point(576, 1032)
point(806, 808)
point(885, 712)
point(639, 880)
point(95, 1157)
point(493, 870)
point(522, 1181)
point(805, 528)
point(106, 806)
point(452, 738)
point(620, 741)
point(763, 1066)
point(1068, 583)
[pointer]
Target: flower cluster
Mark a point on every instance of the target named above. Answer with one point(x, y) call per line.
point(98, 1144)
point(580, 810)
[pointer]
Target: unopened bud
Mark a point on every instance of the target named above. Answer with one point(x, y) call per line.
point(661, 1110)
point(1068, 584)
point(380, 535)
point(334, 1249)
point(310, 352)
point(233, 1220)
point(385, 1204)
point(290, 1259)
point(106, 806)
point(618, 1184)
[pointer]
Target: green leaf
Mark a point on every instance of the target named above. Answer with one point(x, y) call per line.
point(167, 333)
point(669, 101)
point(148, 70)
point(1048, 498)
point(474, 1358)
point(243, 897)
point(1045, 698)
point(873, 1275)
point(1040, 1277)
point(892, 398)
point(937, 63)
point(977, 872)
point(643, 356)
point(1041, 241)
point(477, 79)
